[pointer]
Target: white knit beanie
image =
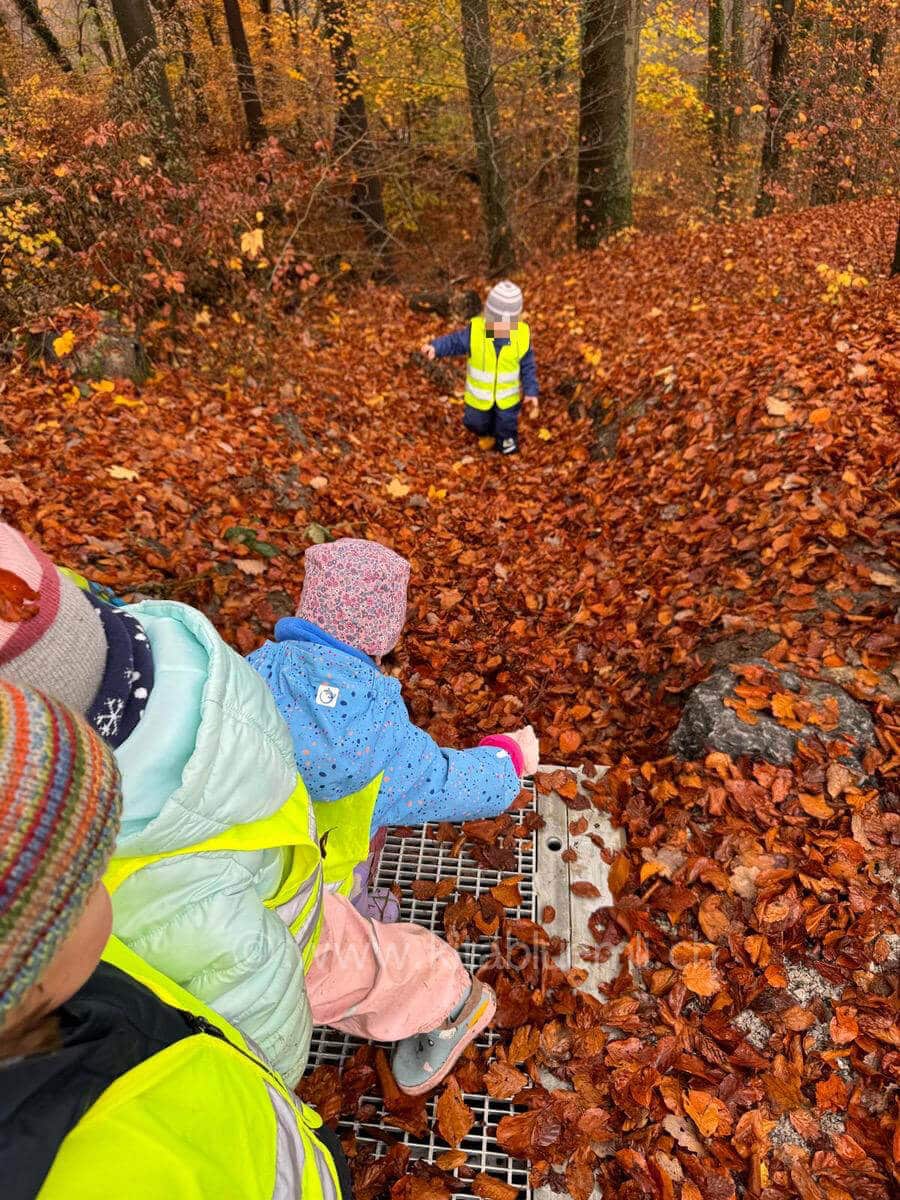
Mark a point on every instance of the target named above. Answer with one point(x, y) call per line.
point(504, 302)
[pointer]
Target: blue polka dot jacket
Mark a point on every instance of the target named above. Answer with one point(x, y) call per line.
point(348, 723)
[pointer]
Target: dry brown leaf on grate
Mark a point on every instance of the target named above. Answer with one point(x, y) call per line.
point(507, 893)
point(503, 1081)
point(451, 1159)
point(454, 1117)
point(492, 1189)
point(420, 1187)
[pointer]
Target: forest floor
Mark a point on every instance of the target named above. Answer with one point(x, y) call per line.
point(714, 462)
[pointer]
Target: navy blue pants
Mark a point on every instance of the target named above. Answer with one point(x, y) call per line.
point(498, 423)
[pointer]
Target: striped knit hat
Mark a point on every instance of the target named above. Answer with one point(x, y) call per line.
point(504, 302)
point(60, 802)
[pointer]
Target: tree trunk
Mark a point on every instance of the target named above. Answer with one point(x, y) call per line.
point(177, 30)
point(876, 58)
point(102, 37)
point(716, 59)
point(895, 265)
point(4, 47)
point(351, 131)
point(476, 38)
point(776, 110)
point(605, 119)
point(42, 31)
point(736, 77)
point(265, 33)
point(209, 20)
point(135, 22)
point(246, 77)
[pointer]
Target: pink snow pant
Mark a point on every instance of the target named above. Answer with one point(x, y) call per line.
point(381, 982)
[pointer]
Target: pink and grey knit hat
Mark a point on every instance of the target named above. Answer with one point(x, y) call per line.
point(356, 591)
point(51, 637)
point(60, 803)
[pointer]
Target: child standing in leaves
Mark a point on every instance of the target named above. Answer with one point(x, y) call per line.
point(113, 1080)
point(500, 367)
point(367, 766)
point(217, 876)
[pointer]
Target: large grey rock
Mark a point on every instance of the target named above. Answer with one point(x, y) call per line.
point(708, 724)
point(113, 352)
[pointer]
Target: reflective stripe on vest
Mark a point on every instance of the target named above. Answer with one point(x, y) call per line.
point(493, 378)
point(345, 825)
point(293, 829)
point(199, 1119)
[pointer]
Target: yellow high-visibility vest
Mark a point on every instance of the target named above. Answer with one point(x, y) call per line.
point(293, 829)
point(493, 378)
point(345, 830)
point(205, 1117)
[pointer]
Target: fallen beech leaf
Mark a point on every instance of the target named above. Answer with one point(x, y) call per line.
point(503, 1081)
point(713, 921)
point(63, 344)
point(585, 889)
point(618, 874)
point(815, 806)
point(250, 566)
point(420, 1187)
point(819, 416)
point(701, 979)
point(524, 1043)
point(126, 473)
point(569, 741)
point(707, 1112)
point(451, 1159)
point(18, 602)
point(492, 1189)
point(454, 1117)
point(548, 914)
point(579, 1180)
point(778, 408)
point(677, 1128)
point(524, 930)
point(844, 1026)
point(507, 893)
point(783, 706)
point(683, 954)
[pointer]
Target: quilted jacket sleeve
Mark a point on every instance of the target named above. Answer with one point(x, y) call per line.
point(424, 782)
point(199, 919)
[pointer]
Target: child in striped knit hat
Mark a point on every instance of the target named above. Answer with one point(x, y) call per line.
point(501, 366)
point(113, 1080)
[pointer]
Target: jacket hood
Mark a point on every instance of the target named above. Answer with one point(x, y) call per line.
point(241, 767)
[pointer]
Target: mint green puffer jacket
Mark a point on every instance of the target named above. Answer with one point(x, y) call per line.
point(211, 752)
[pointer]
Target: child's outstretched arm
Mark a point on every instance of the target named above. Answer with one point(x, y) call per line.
point(424, 782)
point(451, 345)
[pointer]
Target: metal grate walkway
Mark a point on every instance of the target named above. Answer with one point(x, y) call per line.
point(419, 856)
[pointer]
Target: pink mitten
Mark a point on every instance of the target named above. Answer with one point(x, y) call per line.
point(522, 747)
point(526, 740)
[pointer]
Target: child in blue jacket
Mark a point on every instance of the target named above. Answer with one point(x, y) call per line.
point(500, 367)
point(365, 763)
